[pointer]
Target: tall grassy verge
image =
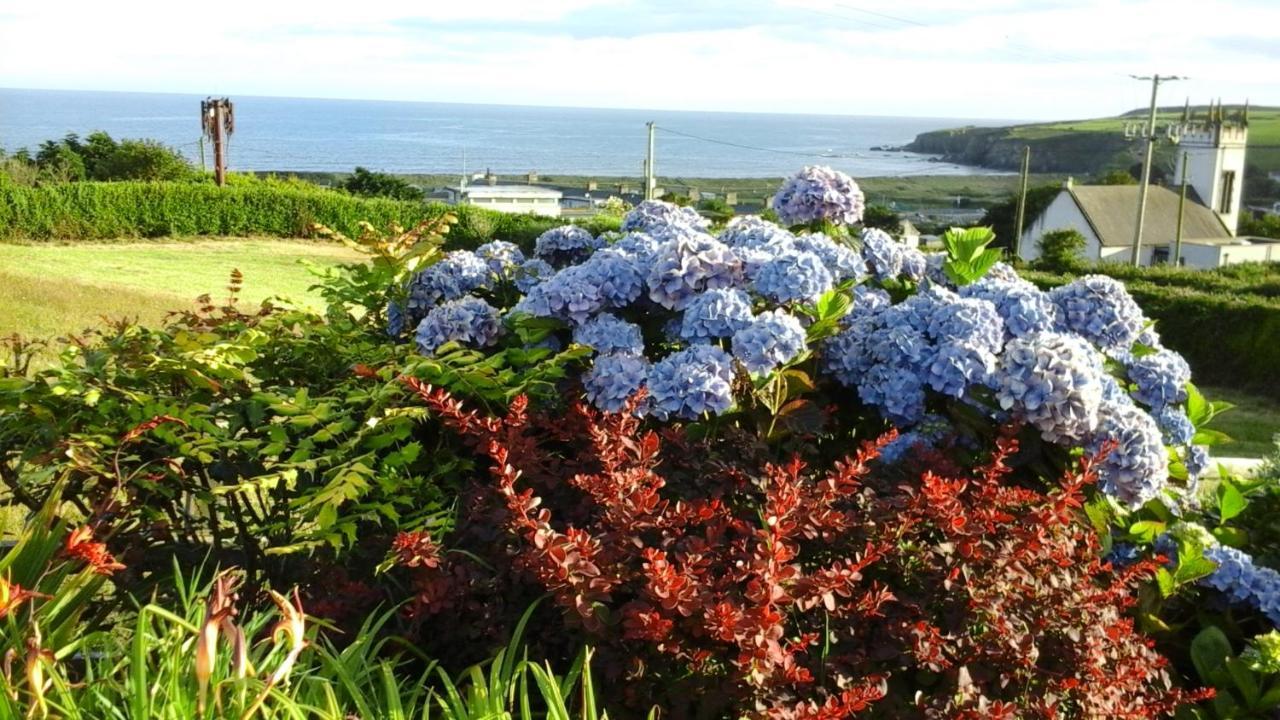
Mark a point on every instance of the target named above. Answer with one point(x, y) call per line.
point(279, 208)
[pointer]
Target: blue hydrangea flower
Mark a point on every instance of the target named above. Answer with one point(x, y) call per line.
point(771, 339)
point(966, 320)
point(714, 314)
point(618, 275)
point(607, 334)
point(572, 294)
point(753, 231)
point(531, 272)
point(664, 220)
point(1123, 555)
point(899, 342)
point(456, 274)
point(692, 382)
point(934, 273)
point(932, 430)
point(1197, 461)
point(1024, 308)
point(847, 355)
point(1054, 381)
point(1003, 272)
point(613, 379)
point(1174, 424)
point(1160, 378)
point(882, 253)
point(869, 299)
point(637, 246)
point(396, 321)
point(914, 264)
point(842, 261)
point(1138, 467)
point(689, 265)
point(819, 194)
point(957, 366)
point(1244, 581)
point(468, 320)
point(897, 390)
point(794, 276)
point(1101, 310)
point(565, 245)
point(501, 256)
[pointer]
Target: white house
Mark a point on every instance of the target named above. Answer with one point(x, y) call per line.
point(508, 198)
point(1106, 215)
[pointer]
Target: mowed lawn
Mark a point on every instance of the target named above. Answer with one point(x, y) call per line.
point(52, 290)
point(1253, 423)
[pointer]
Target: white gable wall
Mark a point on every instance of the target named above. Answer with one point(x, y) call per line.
point(1062, 213)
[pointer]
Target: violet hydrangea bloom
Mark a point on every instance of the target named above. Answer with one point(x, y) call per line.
point(793, 276)
point(468, 320)
point(572, 294)
point(456, 274)
point(531, 272)
point(819, 194)
point(619, 276)
point(883, 254)
point(565, 245)
point(957, 366)
point(897, 390)
point(1024, 308)
point(1160, 378)
point(607, 334)
point(1138, 466)
point(689, 265)
point(1174, 425)
point(1244, 581)
point(613, 379)
point(502, 257)
point(691, 383)
point(1101, 310)
point(771, 339)
point(844, 262)
point(966, 320)
point(664, 220)
point(753, 231)
point(637, 246)
point(1054, 381)
point(714, 314)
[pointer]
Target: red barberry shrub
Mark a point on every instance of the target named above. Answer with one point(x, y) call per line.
point(718, 584)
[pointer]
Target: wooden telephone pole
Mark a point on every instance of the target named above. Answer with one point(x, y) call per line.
point(1149, 135)
point(218, 122)
point(1022, 202)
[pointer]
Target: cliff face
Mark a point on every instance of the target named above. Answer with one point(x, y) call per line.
point(1001, 149)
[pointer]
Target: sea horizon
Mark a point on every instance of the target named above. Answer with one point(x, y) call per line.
point(293, 134)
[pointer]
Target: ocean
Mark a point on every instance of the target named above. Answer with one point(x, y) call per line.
point(297, 134)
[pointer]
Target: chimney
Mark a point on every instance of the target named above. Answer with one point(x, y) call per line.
point(731, 198)
point(1069, 183)
point(591, 186)
point(491, 178)
point(533, 176)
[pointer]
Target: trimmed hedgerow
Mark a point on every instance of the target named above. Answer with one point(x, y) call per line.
point(111, 210)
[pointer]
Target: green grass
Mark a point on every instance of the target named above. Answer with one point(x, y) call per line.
point(1252, 424)
point(50, 290)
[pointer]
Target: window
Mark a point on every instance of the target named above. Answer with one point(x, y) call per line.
point(1228, 191)
point(1160, 256)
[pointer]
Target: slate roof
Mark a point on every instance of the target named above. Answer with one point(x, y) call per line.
point(1111, 210)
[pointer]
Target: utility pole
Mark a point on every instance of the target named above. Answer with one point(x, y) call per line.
point(649, 183)
point(1022, 202)
point(203, 169)
point(218, 121)
point(1182, 204)
point(1136, 256)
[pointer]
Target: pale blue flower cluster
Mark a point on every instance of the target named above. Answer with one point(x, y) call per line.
point(691, 383)
point(819, 194)
point(1024, 307)
point(772, 338)
point(883, 254)
point(715, 314)
point(688, 265)
point(1244, 581)
point(1160, 378)
point(502, 257)
point(456, 274)
point(531, 272)
point(1053, 381)
point(1174, 425)
point(793, 277)
point(664, 220)
point(607, 334)
point(613, 379)
point(1137, 467)
point(397, 323)
point(1101, 310)
point(565, 245)
point(842, 261)
point(468, 320)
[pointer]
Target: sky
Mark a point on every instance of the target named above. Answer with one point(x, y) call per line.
point(1035, 59)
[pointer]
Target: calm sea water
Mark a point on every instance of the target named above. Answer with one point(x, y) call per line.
point(422, 137)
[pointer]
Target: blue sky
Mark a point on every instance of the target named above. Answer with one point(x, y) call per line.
point(980, 58)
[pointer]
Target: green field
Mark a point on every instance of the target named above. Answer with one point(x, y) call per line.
point(1253, 424)
point(51, 290)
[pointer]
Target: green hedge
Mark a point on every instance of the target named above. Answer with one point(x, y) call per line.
point(113, 210)
point(1230, 338)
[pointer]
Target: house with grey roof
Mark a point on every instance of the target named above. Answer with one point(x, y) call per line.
point(1106, 215)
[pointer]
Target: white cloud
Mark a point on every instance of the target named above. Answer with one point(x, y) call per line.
point(993, 58)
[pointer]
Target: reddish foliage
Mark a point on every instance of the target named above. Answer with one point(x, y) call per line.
point(796, 593)
point(80, 545)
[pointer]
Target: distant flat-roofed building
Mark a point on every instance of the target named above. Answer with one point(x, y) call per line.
point(508, 198)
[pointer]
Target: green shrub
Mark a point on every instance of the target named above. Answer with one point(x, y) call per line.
point(366, 183)
point(1060, 249)
point(247, 206)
